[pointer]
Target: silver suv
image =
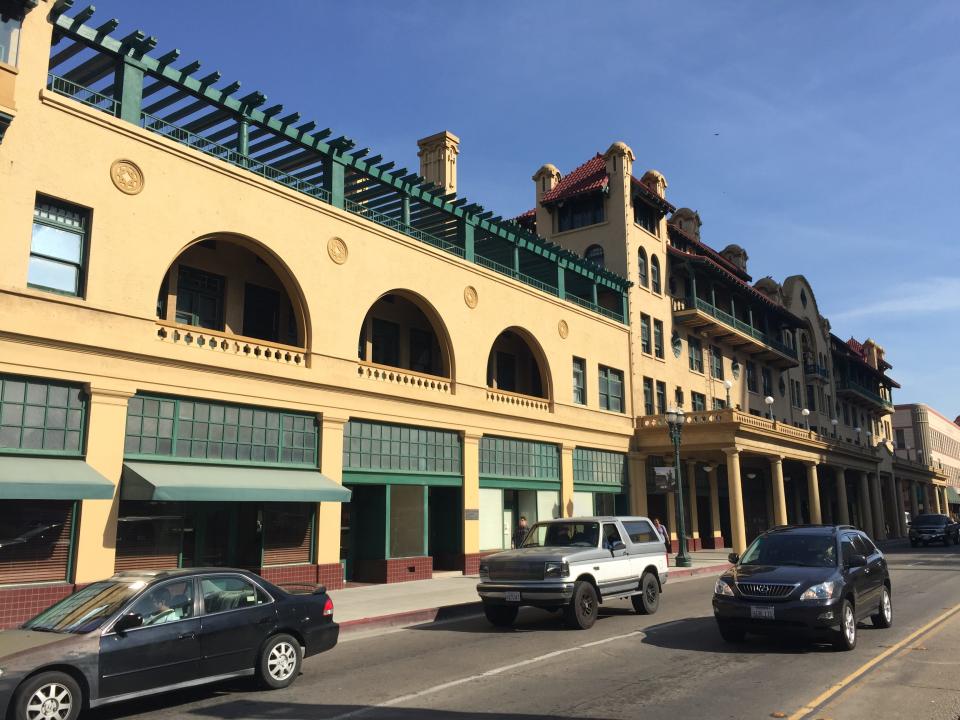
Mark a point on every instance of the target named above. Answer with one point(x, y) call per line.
point(573, 565)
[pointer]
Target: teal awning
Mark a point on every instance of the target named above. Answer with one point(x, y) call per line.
point(953, 495)
point(225, 483)
point(39, 478)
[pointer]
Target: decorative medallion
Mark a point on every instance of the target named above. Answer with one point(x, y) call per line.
point(736, 369)
point(470, 296)
point(563, 329)
point(127, 177)
point(676, 343)
point(337, 250)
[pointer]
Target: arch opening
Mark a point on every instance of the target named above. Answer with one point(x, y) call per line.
point(517, 364)
point(233, 285)
point(403, 331)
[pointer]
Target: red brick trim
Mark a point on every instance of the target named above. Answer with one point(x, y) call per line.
point(330, 575)
point(22, 602)
point(714, 543)
point(471, 563)
point(393, 570)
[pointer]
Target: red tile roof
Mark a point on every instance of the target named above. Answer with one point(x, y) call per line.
point(592, 175)
point(651, 196)
point(856, 352)
point(711, 253)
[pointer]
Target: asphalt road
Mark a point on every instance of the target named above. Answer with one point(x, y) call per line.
point(670, 665)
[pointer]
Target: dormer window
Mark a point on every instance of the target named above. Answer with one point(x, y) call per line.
point(646, 217)
point(580, 212)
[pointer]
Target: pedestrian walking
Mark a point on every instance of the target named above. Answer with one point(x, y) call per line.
point(664, 535)
point(521, 532)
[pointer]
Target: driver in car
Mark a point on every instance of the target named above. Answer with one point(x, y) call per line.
point(160, 611)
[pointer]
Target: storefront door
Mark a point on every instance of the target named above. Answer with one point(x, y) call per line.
point(223, 535)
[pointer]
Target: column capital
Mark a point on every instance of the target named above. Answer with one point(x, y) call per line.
point(471, 437)
point(731, 452)
point(332, 421)
point(776, 459)
point(108, 395)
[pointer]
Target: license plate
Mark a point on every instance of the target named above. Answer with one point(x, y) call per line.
point(924, 537)
point(760, 612)
point(512, 596)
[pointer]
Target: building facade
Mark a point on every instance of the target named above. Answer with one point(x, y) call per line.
point(925, 437)
point(229, 337)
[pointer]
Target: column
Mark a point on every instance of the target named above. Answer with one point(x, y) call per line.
point(671, 521)
point(898, 502)
point(936, 497)
point(96, 543)
point(843, 511)
point(327, 538)
point(876, 502)
point(637, 477)
point(914, 502)
point(471, 504)
point(946, 501)
point(566, 480)
point(715, 510)
point(735, 495)
point(694, 514)
point(779, 497)
point(866, 514)
point(813, 491)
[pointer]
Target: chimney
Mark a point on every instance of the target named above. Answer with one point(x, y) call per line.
point(546, 179)
point(438, 160)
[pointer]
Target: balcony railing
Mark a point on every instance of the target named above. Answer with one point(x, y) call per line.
point(180, 135)
point(855, 387)
point(518, 399)
point(399, 376)
point(226, 344)
point(680, 304)
point(816, 370)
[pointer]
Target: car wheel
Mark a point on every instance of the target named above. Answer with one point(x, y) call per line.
point(648, 601)
point(884, 616)
point(48, 696)
point(279, 662)
point(581, 613)
point(500, 615)
point(846, 637)
point(729, 633)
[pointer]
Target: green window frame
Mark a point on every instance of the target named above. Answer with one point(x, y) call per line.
point(611, 389)
point(643, 267)
point(645, 333)
point(661, 397)
point(41, 417)
point(200, 298)
point(599, 467)
point(719, 404)
point(752, 377)
point(58, 247)
point(695, 351)
point(503, 457)
point(648, 396)
point(767, 378)
point(716, 362)
point(202, 431)
point(655, 284)
point(658, 338)
point(369, 445)
point(698, 401)
point(579, 381)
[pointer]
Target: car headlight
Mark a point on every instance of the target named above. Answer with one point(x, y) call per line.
point(722, 588)
point(555, 569)
point(823, 591)
point(484, 570)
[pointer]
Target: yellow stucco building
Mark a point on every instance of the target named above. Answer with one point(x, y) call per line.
point(228, 337)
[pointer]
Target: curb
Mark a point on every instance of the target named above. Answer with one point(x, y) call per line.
point(458, 611)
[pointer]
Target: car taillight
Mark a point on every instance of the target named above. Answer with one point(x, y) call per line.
point(328, 607)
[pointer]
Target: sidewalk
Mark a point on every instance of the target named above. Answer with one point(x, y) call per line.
point(378, 607)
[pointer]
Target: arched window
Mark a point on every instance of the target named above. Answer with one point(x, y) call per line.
point(594, 253)
point(655, 274)
point(644, 273)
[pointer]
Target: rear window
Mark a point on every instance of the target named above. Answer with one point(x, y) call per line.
point(640, 531)
point(931, 520)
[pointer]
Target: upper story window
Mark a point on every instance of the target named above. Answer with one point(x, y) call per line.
point(41, 416)
point(716, 362)
point(646, 217)
point(643, 268)
point(645, 333)
point(58, 246)
point(767, 381)
point(655, 283)
point(200, 298)
point(695, 350)
point(648, 396)
point(661, 398)
point(594, 254)
point(699, 401)
point(611, 389)
point(9, 39)
point(752, 377)
point(580, 381)
point(658, 338)
point(580, 212)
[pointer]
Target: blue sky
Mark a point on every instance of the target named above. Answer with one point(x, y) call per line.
point(820, 136)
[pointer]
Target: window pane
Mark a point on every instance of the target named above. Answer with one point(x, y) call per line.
point(57, 243)
point(53, 275)
point(9, 40)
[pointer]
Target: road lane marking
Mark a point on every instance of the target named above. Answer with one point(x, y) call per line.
point(836, 688)
point(487, 673)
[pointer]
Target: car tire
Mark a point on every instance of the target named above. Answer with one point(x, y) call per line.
point(280, 661)
point(55, 687)
point(884, 617)
point(581, 613)
point(846, 636)
point(729, 633)
point(500, 615)
point(648, 601)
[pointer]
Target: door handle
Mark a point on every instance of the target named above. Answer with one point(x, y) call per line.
point(187, 636)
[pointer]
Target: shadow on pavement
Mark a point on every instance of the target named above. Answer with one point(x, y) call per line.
point(529, 620)
point(701, 635)
point(288, 711)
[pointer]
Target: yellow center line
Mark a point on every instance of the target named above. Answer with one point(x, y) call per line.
point(834, 689)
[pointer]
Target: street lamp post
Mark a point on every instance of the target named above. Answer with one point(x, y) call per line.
point(858, 429)
point(727, 385)
point(675, 425)
point(769, 401)
point(806, 418)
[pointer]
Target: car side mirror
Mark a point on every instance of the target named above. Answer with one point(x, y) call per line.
point(617, 545)
point(856, 561)
point(733, 558)
point(128, 622)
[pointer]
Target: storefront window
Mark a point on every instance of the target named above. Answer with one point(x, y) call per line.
point(406, 520)
point(287, 533)
point(149, 535)
point(35, 540)
point(9, 39)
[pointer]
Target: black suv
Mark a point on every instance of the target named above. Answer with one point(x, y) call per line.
point(933, 528)
point(818, 580)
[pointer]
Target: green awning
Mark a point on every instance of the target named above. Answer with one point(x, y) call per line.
point(953, 495)
point(224, 483)
point(38, 478)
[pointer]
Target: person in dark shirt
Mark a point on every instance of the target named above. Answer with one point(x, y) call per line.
point(521, 532)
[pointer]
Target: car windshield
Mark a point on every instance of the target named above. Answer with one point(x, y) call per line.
point(792, 549)
point(563, 534)
point(85, 610)
point(930, 520)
